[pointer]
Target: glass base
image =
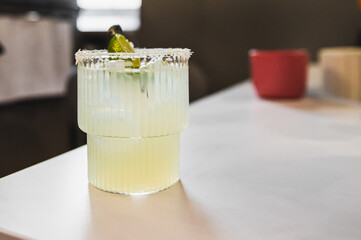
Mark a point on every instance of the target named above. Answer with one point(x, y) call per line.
point(133, 165)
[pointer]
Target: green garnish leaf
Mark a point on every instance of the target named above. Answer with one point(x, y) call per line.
point(115, 29)
point(118, 43)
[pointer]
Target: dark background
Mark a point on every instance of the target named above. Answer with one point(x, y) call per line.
point(219, 32)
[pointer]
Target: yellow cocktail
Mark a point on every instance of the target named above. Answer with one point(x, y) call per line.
point(133, 117)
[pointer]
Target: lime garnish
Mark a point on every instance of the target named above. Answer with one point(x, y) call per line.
point(118, 43)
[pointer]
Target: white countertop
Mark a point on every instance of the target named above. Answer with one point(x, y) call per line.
point(250, 169)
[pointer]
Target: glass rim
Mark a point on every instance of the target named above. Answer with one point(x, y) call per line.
point(82, 55)
point(278, 52)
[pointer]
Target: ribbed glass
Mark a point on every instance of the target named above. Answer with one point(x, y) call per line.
point(150, 101)
point(133, 116)
point(133, 165)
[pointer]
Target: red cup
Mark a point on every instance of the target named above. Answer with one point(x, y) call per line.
point(279, 73)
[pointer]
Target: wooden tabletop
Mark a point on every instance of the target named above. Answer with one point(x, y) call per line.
point(250, 169)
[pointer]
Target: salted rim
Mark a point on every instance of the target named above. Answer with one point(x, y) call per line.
point(82, 55)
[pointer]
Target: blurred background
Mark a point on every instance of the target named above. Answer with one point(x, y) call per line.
point(38, 39)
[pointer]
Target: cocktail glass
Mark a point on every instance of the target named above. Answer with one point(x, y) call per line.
point(133, 117)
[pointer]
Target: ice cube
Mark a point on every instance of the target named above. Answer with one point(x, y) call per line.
point(116, 65)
